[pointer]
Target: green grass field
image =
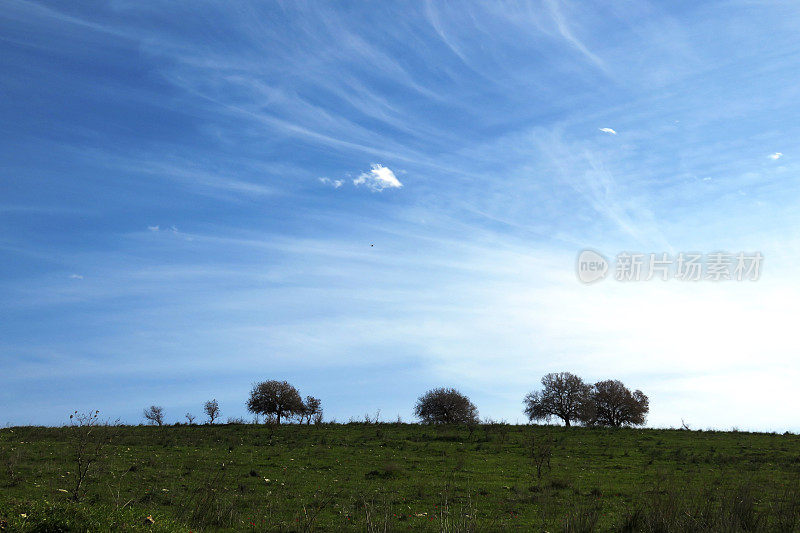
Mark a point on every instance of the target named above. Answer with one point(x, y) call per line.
point(399, 477)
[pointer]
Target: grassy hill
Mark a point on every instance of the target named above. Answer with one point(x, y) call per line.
point(399, 477)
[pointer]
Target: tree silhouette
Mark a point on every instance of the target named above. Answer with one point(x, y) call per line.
point(564, 395)
point(275, 398)
point(445, 406)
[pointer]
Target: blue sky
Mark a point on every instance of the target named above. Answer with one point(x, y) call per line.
point(373, 199)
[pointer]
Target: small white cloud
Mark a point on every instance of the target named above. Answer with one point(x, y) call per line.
point(608, 130)
point(153, 228)
point(378, 178)
point(333, 183)
point(775, 156)
point(75, 276)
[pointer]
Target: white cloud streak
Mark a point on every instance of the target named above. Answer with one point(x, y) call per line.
point(378, 178)
point(331, 183)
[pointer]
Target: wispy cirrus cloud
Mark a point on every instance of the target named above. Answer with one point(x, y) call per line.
point(332, 183)
point(566, 31)
point(218, 124)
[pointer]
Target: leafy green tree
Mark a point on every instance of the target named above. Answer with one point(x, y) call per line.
point(613, 404)
point(445, 406)
point(563, 395)
point(275, 398)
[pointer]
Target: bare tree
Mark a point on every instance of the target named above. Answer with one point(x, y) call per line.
point(88, 438)
point(312, 409)
point(445, 406)
point(613, 404)
point(155, 415)
point(564, 396)
point(541, 450)
point(211, 409)
point(275, 398)
point(190, 418)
